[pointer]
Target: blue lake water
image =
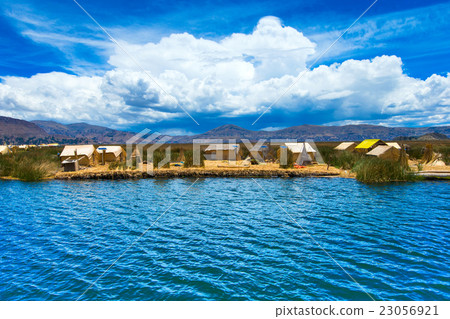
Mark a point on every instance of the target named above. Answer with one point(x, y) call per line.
point(225, 239)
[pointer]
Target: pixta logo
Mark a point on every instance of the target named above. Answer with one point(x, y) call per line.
point(146, 142)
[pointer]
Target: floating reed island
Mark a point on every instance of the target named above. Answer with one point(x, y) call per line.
point(370, 161)
point(195, 172)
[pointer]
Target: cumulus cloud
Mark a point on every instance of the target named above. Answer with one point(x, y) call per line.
point(238, 75)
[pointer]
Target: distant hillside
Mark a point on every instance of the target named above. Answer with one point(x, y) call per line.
point(19, 130)
point(316, 132)
point(92, 133)
point(427, 137)
point(36, 132)
point(14, 131)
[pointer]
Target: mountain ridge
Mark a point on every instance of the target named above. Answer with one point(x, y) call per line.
point(35, 132)
point(319, 133)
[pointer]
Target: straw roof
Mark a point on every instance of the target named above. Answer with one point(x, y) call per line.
point(368, 143)
point(222, 147)
point(385, 152)
point(298, 147)
point(345, 146)
point(394, 144)
point(82, 150)
point(4, 149)
point(379, 150)
point(116, 150)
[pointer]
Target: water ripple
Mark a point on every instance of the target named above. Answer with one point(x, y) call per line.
point(225, 240)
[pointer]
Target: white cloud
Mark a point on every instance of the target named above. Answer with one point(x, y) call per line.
point(238, 75)
point(272, 128)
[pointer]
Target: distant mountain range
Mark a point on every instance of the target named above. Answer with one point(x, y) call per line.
point(13, 128)
point(91, 133)
point(319, 133)
point(426, 137)
point(14, 131)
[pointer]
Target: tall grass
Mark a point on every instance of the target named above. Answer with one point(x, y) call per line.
point(189, 158)
point(158, 157)
point(339, 159)
point(415, 152)
point(428, 154)
point(289, 161)
point(175, 154)
point(117, 165)
point(30, 165)
point(376, 170)
point(445, 152)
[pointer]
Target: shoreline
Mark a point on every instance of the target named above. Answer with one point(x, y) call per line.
point(215, 173)
point(191, 172)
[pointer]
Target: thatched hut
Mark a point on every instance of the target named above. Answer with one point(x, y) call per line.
point(111, 153)
point(368, 145)
point(219, 152)
point(385, 152)
point(85, 154)
point(346, 146)
point(70, 165)
point(304, 153)
point(394, 144)
point(4, 150)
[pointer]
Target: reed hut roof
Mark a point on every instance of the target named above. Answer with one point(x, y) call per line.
point(298, 147)
point(367, 143)
point(4, 149)
point(385, 152)
point(86, 150)
point(345, 146)
point(222, 147)
point(116, 150)
point(394, 144)
point(379, 150)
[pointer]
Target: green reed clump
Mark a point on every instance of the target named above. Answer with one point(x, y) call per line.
point(289, 161)
point(339, 159)
point(272, 153)
point(30, 165)
point(415, 152)
point(346, 160)
point(30, 172)
point(376, 170)
point(328, 153)
point(117, 165)
point(189, 158)
point(7, 165)
point(244, 152)
point(428, 154)
point(445, 152)
point(113, 166)
point(175, 154)
point(158, 157)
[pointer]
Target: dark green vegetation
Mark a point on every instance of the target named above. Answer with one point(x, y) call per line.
point(289, 161)
point(189, 158)
point(376, 170)
point(158, 158)
point(119, 165)
point(30, 165)
point(343, 160)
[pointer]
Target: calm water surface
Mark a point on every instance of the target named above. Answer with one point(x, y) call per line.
point(224, 240)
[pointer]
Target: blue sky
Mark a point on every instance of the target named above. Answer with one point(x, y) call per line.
point(225, 62)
